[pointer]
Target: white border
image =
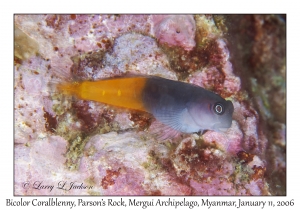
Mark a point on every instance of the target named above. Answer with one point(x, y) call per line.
point(151, 6)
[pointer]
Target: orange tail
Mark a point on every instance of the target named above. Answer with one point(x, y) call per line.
point(69, 88)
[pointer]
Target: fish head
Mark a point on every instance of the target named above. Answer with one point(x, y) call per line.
point(212, 114)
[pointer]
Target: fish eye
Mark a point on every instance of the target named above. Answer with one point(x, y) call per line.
point(218, 108)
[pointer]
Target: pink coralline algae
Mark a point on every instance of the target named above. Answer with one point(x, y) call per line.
point(66, 146)
point(175, 30)
point(137, 54)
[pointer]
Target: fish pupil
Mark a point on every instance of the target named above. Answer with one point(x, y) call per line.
point(218, 109)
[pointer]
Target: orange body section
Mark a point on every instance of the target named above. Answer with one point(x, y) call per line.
point(122, 92)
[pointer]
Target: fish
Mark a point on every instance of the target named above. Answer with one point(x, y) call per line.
point(184, 107)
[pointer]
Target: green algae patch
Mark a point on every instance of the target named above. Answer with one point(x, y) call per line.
point(24, 46)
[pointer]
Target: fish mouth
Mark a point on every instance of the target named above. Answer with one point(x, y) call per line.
point(230, 107)
point(222, 129)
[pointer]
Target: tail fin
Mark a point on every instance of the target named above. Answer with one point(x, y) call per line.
point(70, 88)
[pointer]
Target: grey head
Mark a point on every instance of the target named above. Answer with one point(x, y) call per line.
point(210, 111)
point(185, 107)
